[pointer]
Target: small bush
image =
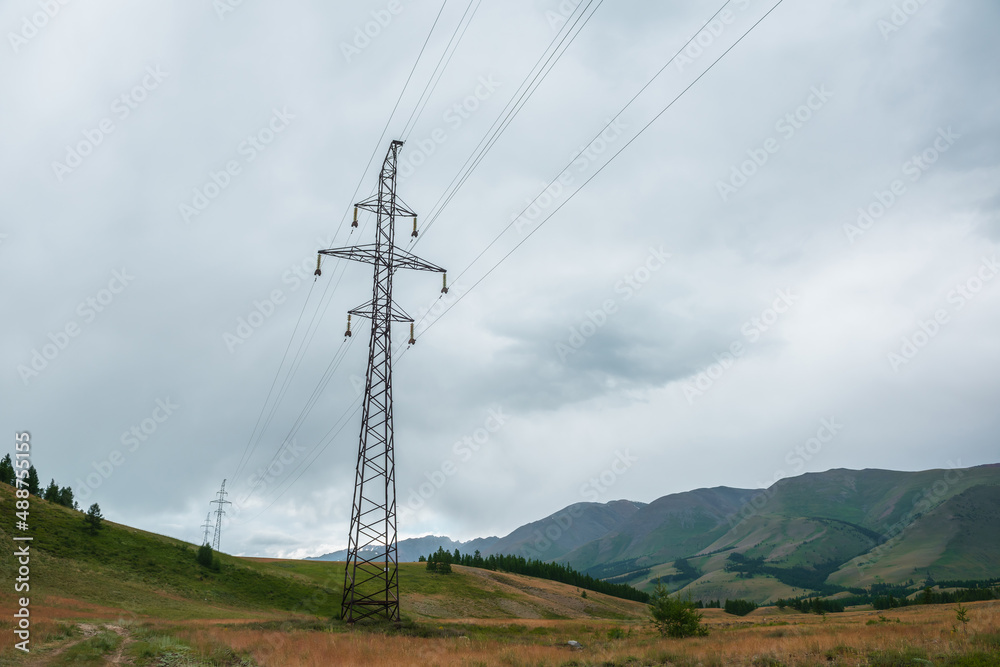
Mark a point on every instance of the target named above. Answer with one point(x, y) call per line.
point(204, 556)
point(674, 617)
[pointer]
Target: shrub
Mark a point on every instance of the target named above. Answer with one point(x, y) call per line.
point(207, 558)
point(674, 617)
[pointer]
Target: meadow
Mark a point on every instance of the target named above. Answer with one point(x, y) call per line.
point(128, 597)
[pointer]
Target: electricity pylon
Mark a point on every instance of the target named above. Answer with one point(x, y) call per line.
point(219, 513)
point(207, 526)
point(371, 582)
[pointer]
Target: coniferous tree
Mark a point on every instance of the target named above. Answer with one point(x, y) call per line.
point(51, 492)
point(93, 518)
point(66, 498)
point(33, 484)
point(675, 617)
point(6, 470)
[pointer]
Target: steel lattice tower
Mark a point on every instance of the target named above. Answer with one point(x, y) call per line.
point(219, 513)
point(371, 582)
point(207, 526)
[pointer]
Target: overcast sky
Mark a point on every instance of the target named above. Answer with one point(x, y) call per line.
point(792, 269)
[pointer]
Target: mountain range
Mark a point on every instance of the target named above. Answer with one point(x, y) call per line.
point(818, 533)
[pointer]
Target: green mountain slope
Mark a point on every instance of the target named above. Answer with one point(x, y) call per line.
point(958, 539)
point(857, 526)
point(671, 527)
point(560, 533)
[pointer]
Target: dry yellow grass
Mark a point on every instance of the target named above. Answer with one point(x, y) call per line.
point(766, 637)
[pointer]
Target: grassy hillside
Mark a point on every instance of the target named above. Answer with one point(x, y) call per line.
point(959, 539)
point(122, 570)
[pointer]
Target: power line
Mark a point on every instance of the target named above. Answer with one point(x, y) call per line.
point(520, 97)
point(432, 82)
point(307, 339)
point(592, 176)
point(328, 374)
point(571, 195)
point(318, 450)
point(248, 450)
point(389, 119)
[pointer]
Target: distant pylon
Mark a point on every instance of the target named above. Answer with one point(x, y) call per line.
point(207, 526)
point(219, 513)
point(371, 582)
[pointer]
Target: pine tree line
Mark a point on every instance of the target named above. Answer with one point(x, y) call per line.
point(441, 561)
point(53, 492)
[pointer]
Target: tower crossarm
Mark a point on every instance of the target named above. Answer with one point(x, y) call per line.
point(397, 314)
point(399, 259)
point(398, 209)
